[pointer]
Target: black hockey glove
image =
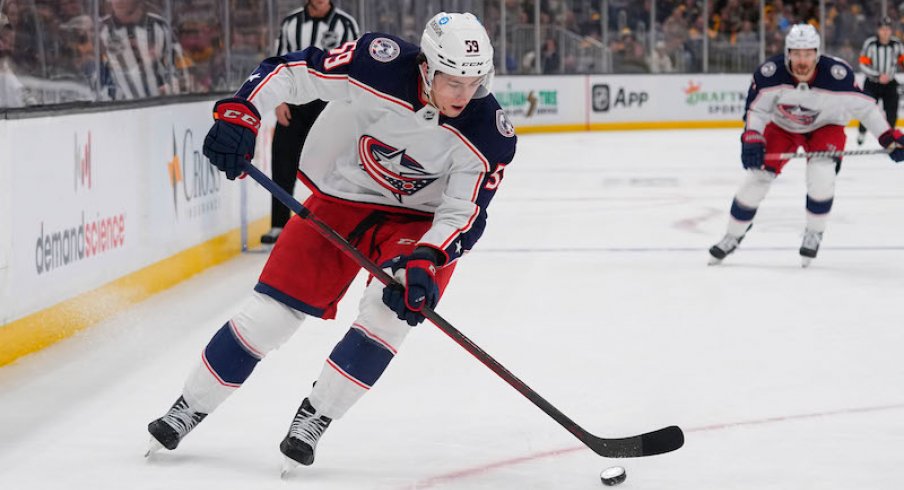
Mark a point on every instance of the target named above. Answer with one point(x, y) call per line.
point(417, 273)
point(230, 142)
point(753, 149)
point(893, 140)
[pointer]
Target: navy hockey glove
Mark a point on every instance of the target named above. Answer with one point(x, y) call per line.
point(417, 273)
point(753, 149)
point(230, 142)
point(893, 141)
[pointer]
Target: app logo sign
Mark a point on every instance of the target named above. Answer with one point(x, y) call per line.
point(600, 96)
point(603, 100)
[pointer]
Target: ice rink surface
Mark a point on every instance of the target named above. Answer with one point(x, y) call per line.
point(591, 284)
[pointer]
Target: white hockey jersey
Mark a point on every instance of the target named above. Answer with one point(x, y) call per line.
point(378, 144)
point(832, 97)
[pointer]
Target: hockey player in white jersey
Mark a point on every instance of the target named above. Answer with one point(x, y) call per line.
point(403, 163)
point(800, 99)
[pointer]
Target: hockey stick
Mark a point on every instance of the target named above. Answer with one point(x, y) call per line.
point(648, 444)
point(828, 154)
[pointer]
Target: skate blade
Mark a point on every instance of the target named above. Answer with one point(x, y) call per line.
point(714, 261)
point(805, 262)
point(153, 447)
point(288, 465)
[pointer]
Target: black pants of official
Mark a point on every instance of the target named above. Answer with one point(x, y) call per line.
point(286, 150)
point(888, 94)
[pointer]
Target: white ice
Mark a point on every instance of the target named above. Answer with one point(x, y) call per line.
point(591, 284)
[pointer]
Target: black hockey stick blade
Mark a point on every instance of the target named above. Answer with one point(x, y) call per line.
point(659, 441)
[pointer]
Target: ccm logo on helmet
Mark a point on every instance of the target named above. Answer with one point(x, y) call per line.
point(475, 63)
point(245, 118)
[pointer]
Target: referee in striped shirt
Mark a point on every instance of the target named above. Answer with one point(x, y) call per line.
point(139, 52)
point(319, 23)
point(879, 61)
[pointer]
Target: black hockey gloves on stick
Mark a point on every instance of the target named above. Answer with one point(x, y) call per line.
point(415, 287)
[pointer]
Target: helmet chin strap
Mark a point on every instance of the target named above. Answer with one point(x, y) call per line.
point(427, 84)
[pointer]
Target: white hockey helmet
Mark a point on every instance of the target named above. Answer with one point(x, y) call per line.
point(802, 36)
point(458, 44)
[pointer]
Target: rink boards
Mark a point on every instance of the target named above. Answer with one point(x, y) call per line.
point(620, 102)
point(100, 210)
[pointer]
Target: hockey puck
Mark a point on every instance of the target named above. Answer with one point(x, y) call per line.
point(613, 476)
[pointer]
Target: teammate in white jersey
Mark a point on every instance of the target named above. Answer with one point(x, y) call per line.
point(800, 99)
point(403, 163)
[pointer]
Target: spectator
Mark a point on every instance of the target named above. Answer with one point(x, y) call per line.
point(630, 58)
point(248, 46)
point(25, 56)
point(202, 54)
point(12, 92)
point(140, 52)
point(674, 29)
point(77, 60)
point(659, 59)
point(551, 58)
point(746, 39)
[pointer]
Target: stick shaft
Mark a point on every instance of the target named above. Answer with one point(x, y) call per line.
point(826, 154)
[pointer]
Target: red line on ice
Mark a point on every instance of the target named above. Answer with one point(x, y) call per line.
point(453, 476)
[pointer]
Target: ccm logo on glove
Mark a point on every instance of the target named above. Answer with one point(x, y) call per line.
point(238, 112)
point(249, 121)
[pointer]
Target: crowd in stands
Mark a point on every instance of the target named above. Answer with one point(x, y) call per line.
point(731, 28)
point(58, 51)
point(55, 51)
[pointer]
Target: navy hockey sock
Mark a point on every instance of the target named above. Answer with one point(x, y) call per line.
point(228, 358)
point(742, 213)
point(819, 207)
point(360, 358)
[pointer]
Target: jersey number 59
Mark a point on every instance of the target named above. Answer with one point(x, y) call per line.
point(340, 56)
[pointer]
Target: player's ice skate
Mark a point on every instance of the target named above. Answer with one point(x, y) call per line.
point(168, 431)
point(725, 247)
point(809, 247)
point(300, 443)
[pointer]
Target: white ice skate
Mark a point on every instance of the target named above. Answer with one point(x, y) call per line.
point(726, 246)
point(809, 247)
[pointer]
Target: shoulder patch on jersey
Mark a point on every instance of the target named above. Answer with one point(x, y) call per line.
point(384, 49)
point(839, 72)
point(505, 127)
point(768, 69)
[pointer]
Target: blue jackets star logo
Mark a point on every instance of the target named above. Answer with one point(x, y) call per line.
point(798, 113)
point(392, 168)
